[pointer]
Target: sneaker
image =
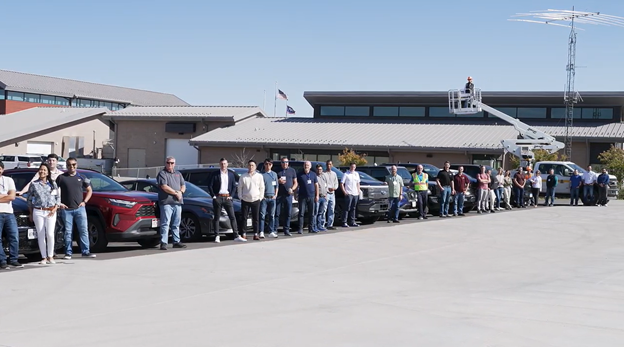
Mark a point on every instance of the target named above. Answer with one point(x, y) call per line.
point(244, 235)
point(479, 211)
point(461, 214)
point(287, 233)
point(441, 216)
point(492, 211)
point(89, 255)
point(163, 247)
point(4, 266)
point(240, 239)
point(67, 257)
point(396, 221)
point(300, 231)
point(217, 239)
point(273, 235)
point(420, 218)
point(322, 229)
point(345, 225)
point(43, 262)
point(262, 234)
point(331, 228)
point(16, 264)
point(389, 221)
point(51, 261)
point(455, 214)
point(256, 237)
point(179, 245)
point(425, 217)
point(313, 231)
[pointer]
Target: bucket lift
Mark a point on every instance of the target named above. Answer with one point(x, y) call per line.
point(529, 138)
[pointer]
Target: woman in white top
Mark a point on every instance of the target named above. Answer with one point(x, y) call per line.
point(536, 186)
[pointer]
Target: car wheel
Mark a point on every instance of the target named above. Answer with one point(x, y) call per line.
point(149, 243)
point(190, 230)
point(369, 220)
point(97, 236)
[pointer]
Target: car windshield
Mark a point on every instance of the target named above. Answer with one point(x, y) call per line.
point(366, 176)
point(576, 167)
point(431, 170)
point(193, 191)
point(102, 183)
point(404, 173)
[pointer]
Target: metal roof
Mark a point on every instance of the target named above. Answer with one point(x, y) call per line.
point(24, 125)
point(29, 83)
point(235, 113)
point(289, 132)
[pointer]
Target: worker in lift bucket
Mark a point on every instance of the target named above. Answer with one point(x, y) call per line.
point(469, 91)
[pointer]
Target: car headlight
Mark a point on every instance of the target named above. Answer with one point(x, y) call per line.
point(429, 192)
point(122, 203)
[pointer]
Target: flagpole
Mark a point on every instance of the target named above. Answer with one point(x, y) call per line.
point(275, 100)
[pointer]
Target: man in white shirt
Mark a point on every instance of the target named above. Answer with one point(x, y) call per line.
point(332, 185)
point(8, 223)
point(251, 192)
point(350, 185)
point(589, 179)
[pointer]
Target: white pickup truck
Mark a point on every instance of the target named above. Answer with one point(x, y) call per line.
point(563, 170)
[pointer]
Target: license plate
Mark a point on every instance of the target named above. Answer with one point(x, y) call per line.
point(155, 223)
point(413, 203)
point(249, 222)
point(31, 234)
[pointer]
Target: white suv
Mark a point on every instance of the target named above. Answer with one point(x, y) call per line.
point(19, 161)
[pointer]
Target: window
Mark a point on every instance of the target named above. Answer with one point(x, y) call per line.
point(332, 111)
point(46, 99)
point(597, 113)
point(108, 105)
point(412, 112)
point(32, 97)
point(84, 103)
point(383, 111)
point(357, 111)
point(15, 96)
point(531, 112)
point(61, 101)
point(440, 112)
point(146, 187)
point(1, 94)
point(559, 113)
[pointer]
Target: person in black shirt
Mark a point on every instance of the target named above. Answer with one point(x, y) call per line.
point(447, 187)
point(468, 89)
point(72, 184)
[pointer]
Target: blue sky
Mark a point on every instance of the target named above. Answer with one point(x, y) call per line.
point(230, 52)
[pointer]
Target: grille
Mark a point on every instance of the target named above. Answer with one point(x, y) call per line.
point(146, 211)
point(22, 220)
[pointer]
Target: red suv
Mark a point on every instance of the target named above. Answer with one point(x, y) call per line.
point(114, 214)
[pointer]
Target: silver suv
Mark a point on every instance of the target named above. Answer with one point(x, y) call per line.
point(19, 161)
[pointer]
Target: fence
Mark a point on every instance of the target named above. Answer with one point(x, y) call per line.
point(152, 172)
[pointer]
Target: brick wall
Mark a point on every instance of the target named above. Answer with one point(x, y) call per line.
point(10, 106)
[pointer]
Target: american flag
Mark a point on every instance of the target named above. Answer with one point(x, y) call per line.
point(281, 95)
point(290, 110)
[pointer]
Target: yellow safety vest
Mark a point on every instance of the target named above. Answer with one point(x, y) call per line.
point(418, 184)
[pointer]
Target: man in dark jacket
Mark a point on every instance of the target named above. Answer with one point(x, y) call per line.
point(468, 89)
point(221, 186)
point(603, 187)
point(551, 184)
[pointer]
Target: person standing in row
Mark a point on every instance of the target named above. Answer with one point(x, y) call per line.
point(350, 185)
point(483, 180)
point(73, 202)
point(251, 191)
point(395, 192)
point(171, 189)
point(221, 186)
point(589, 179)
point(308, 197)
point(518, 185)
point(332, 185)
point(8, 223)
point(499, 187)
point(287, 179)
point(603, 188)
point(267, 206)
point(507, 185)
point(536, 186)
point(491, 194)
point(420, 182)
point(575, 186)
point(43, 202)
point(462, 185)
point(551, 185)
point(445, 182)
point(321, 205)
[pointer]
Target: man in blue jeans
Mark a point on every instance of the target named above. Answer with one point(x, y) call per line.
point(395, 193)
point(73, 202)
point(287, 180)
point(170, 200)
point(462, 185)
point(589, 179)
point(575, 186)
point(321, 205)
point(551, 185)
point(447, 187)
point(308, 196)
point(8, 224)
point(267, 205)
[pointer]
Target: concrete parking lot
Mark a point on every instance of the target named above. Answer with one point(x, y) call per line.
point(532, 277)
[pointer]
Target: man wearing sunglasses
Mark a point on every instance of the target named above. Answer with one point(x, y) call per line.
point(172, 187)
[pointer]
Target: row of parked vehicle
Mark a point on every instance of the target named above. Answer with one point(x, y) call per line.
point(28, 161)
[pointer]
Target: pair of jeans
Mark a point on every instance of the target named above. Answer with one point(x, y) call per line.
point(519, 192)
point(499, 196)
point(267, 215)
point(80, 215)
point(574, 196)
point(283, 209)
point(422, 196)
point(350, 208)
point(8, 224)
point(331, 205)
point(445, 201)
point(458, 203)
point(170, 216)
point(307, 204)
point(46, 226)
point(588, 192)
point(223, 202)
point(393, 212)
point(550, 194)
point(321, 208)
point(484, 196)
point(254, 206)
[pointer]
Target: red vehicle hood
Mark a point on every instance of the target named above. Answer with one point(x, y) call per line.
point(131, 196)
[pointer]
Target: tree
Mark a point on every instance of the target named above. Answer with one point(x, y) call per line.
point(241, 158)
point(349, 156)
point(613, 160)
point(539, 155)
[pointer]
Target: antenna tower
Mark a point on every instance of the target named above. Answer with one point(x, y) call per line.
point(555, 17)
